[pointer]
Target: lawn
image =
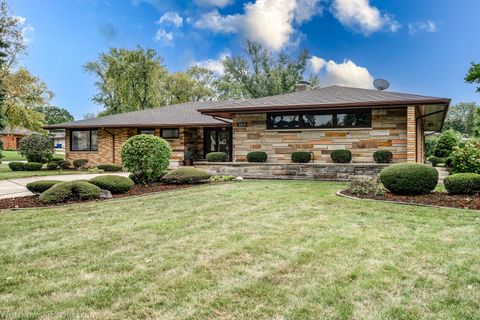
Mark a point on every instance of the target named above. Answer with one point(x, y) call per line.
point(7, 173)
point(11, 155)
point(249, 250)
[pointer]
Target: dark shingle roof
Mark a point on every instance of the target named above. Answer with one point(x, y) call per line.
point(16, 131)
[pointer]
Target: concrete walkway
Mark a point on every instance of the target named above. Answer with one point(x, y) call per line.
point(12, 188)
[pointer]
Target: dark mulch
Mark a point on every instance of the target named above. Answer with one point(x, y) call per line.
point(33, 202)
point(435, 198)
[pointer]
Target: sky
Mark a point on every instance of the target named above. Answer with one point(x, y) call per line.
point(423, 47)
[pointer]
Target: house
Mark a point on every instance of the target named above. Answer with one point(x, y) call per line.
point(316, 120)
point(11, 137)
point(58, 137)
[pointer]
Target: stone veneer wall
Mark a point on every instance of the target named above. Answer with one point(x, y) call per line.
point(388, 132)
point(307, 171)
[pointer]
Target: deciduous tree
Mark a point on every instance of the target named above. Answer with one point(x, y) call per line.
point(473, 75)
point(54, 115)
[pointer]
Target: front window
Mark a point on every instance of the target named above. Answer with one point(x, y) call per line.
point(284, 121)
point(170, 133)
point(146, 131)
point(84, 140)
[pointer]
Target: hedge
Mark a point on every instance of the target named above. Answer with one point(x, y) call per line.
point(463, 183)
point(17, 166)
point(257, 156)
point(409, 178)
point(41, 186)
point(32, 166)
point(186, 176)
point(114, 184)
point(79, 163)
point(216, 157)
point(382, 156)
point(341, 156)
point(53, 165)
point(109, 167)
point(70, 191)
point(301, 157)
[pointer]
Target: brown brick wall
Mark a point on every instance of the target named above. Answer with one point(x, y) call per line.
point(388, 132)
point(10, 141)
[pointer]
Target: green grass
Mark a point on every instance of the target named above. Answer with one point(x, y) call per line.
point(7, 173)
point(249, 250)
point(10, 155)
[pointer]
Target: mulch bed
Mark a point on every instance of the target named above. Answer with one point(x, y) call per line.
point(33, 202)
point(435, 199)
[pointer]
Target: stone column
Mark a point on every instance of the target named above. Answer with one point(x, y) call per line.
point(411, 135)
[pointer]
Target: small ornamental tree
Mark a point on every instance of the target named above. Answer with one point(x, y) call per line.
point(444, 147)
point(466, 159)
point(37, 148)
point(146, 156)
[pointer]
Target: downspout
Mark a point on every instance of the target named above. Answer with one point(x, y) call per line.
point(113, 143)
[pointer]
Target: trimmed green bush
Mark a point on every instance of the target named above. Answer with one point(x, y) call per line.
point(112, 183)
point(37, 148)
point(185, 175)
point(465, 159)
point(17, 166)
point(301, 157)
point(32, 166)
point(57, 159)
point(444, 146)
point(146, 156)
point(41, 186)
point(463, 183)
point(382, 156)
point(257, 156)
point(79, 163)
point(70, 191)
point(409, 178)
point(217, 157)
point(341, 156)
point(52, 165)
point(109, 167)
point(435, 161)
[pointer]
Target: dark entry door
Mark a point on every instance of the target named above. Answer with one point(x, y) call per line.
point(218, 139)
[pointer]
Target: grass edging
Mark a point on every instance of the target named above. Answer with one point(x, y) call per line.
point(340, 194)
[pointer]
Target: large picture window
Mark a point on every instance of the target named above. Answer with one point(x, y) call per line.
point(320, 119)
point(170, 133)
point(84, 140)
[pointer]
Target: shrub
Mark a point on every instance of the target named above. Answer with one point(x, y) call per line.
point(409, 178)
point(41, 186)
point(146, 156)
point(37, 148)
point(382, 156)
point(257, 156)
point(186, 175)
point(64, 164)
point(112, 183)
point(79, 163)
point(430, 143)
point(301, 157)
point(444, 147)
point(17, 166)
point(52, 165)
point(221, 178)
point(32, 166)
point(341, 156)
point(69, 191)
point(466, 158)
point(435, 161)
point(111, 167)
point(94, 170)
point(367, 186)
point(463, 183)
point(216, 157)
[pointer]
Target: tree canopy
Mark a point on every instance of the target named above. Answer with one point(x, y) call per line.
point(462, 117)
point(54, 115)
point(473, 75)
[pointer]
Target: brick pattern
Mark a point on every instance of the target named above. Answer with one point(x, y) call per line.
point(10, 141)
point(388, 132)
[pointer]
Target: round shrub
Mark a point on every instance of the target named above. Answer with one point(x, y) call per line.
point(32, 166)
point(463, 183)
point(146, 156)
point(257, 156)
point(186, 176)
point(53, 165)
point(217, 157)
point(341, 156)
point(41, 186)
point(112, 183)
point(16, 166)
point(382, 156)
point(435, 161)
point(64, 164)
point(444, 146)
point(465, 159)
point(409, 178)
point(70, 191)
point(301, 157)
point(79, 163)
point(109, 167)
point(37, 148)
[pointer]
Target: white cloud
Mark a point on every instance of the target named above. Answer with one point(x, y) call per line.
point(171, 17)
point(422, 26)
point(27, 29)
point(215, 65)
point(346, 73)
point(214, 3)
point(270, 22)
point(164, 37)
point(360, 15)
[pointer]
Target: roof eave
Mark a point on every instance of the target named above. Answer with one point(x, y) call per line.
point(146, 125)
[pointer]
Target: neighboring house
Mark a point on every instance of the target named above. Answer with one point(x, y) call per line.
point(317, 120)
point(11, 137)
point(58, 137)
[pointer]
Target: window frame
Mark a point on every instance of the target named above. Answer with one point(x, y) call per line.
point(303, 126)
point(139, 130)
point(89, 143)
point(176, 137)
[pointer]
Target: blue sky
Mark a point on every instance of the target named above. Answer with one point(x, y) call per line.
point(421, 47)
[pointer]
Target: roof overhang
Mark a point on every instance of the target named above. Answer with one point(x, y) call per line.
point(145, 125)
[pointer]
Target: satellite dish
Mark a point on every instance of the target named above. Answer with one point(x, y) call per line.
point(381, 84)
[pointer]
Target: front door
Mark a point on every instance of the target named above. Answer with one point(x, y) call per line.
point(218, 139)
